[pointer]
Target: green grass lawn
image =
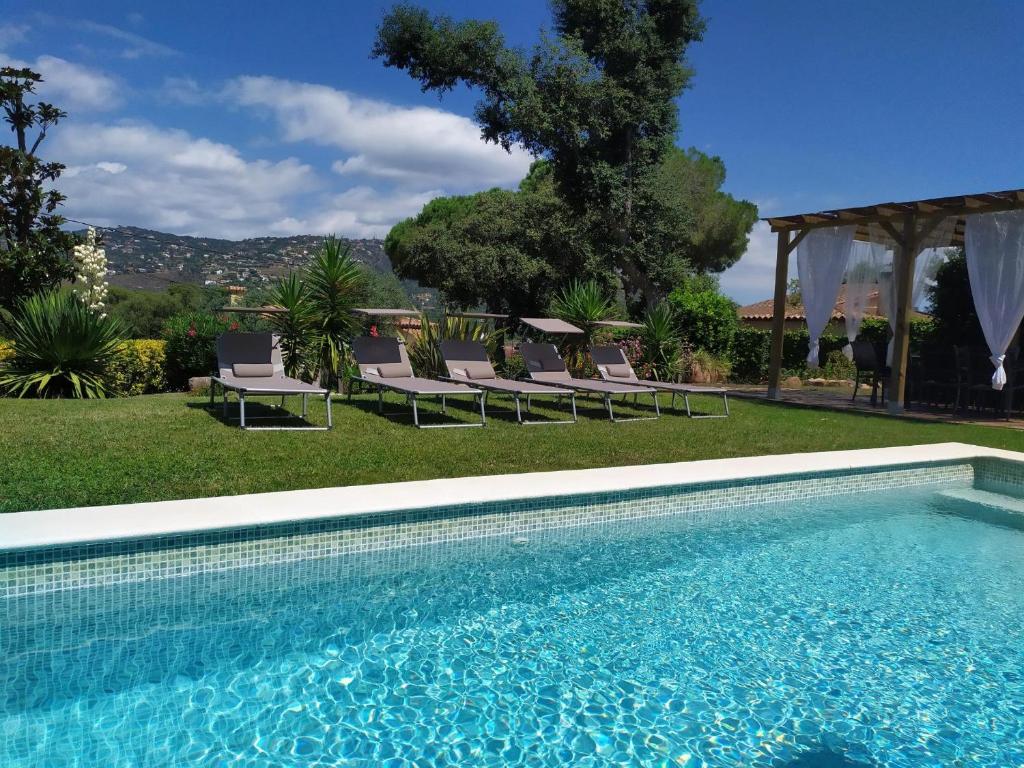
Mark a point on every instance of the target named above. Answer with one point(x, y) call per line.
point(69, 453)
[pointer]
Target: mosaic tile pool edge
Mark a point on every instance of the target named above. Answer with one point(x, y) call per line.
point(62, 568)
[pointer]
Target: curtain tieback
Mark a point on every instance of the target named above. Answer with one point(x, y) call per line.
point(999, 377)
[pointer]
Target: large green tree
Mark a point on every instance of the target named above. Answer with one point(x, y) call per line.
point(34, 249)
point(510, 251)
point(595, 97)
point(507, 251)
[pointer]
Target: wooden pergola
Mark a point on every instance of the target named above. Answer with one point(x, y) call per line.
point(908, 224)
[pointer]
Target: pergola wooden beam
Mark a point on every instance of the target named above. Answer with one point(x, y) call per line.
point(908, 224)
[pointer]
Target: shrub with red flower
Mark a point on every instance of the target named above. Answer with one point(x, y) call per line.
point(374, 331)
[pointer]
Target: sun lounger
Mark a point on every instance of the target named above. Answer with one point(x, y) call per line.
point(468, 363)
point(384, 365)
point(249, 364)
point(613, 366)
point(546, 366)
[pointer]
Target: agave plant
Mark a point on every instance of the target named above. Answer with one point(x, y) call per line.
point(61, 348)
point(296, 327)
point(660, 349)
point(334, 286)
point(583, 304)
point(425, 347)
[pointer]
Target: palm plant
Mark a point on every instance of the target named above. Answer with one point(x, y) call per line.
point(660, 349)
point(334, 286)
point(425, 347)
point(583, 304)
point(61, 348)
point(296, 327)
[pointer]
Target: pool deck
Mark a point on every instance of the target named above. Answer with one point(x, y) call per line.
point(838, 399)
point(83, 525)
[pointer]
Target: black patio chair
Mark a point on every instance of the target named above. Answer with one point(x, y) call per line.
point(869, 358)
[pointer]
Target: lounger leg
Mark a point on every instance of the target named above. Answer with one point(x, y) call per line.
point(327, 399)
point(672, 402)
point(224, 394)
point(608, 402)
point(305, 405)
point(415, 412)
point(241, 409)
point(483, 413)
point(444, 405)
point(529, 403)
point(686, 399)
point(519, 413)
point(282, 402)
point(657, 408)
point(212, 387)
point(725, 402)
point(380, 400)
point(572, 399)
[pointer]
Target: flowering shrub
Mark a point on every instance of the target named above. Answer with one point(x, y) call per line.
point(138, 367)
point(6, 351)
point(190, 348)
point(91, 274)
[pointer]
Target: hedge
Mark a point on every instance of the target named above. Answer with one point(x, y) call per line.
point(751, 346)
point(139, 368)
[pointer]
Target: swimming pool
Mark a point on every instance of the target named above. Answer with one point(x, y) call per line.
point(877, 628)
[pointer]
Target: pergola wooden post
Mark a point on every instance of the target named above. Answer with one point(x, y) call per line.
point(907, 225)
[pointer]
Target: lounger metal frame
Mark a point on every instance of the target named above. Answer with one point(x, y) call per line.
point(672, 387)
point(517, 400)
point(241, 392)
point(411, 398)
point(607, 403)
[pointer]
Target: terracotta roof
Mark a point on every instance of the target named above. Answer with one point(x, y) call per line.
point(765, 310)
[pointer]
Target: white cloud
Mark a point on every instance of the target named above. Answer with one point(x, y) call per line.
point(12, 34)
point(752, 278)
point(416, 147)
point(357, 212)
point(183, 90)
point(135, 46)
point(138, 174)
point(72, 86)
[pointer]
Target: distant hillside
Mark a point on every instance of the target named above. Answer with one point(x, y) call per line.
point(145, 259)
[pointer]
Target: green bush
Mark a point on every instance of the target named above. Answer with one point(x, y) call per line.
point(6, 351)
point(750, 351)
point(61, 347)
point(838, 366)
point(796, 344)
point(191, 348)
point(138, 367)
point(705, 319)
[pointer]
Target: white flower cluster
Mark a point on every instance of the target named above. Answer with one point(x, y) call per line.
point(91, 281)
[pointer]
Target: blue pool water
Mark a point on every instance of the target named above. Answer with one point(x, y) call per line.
point(870, 630)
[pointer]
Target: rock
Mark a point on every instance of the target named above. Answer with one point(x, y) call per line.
point(792, 382)
point(817, 382)
point(198, 383)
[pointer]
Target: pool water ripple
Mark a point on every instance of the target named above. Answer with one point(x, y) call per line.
point(868, 630)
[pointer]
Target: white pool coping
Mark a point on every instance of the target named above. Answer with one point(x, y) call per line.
point(85, 525)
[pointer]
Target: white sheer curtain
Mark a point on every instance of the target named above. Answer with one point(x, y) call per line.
point(995, 264)
point(861, 280)
point(929, 259)
point(821, 261)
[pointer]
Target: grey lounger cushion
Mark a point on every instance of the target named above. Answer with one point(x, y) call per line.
point(478, 370)
point(250, 370)
point(619, 370)
point(394, 370)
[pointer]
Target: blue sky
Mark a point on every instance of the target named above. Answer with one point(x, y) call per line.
point(249, 118)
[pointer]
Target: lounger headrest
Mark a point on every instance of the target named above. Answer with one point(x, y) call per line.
point(394, 370)
point(478, 370)
point(252, 370)
point(619, 371)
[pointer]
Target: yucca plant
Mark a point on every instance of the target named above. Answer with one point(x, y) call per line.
point(583, 304)
point(61, 348)
point(660, 348)
point(296, 327)
point(424, 347)
point(334, 286)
